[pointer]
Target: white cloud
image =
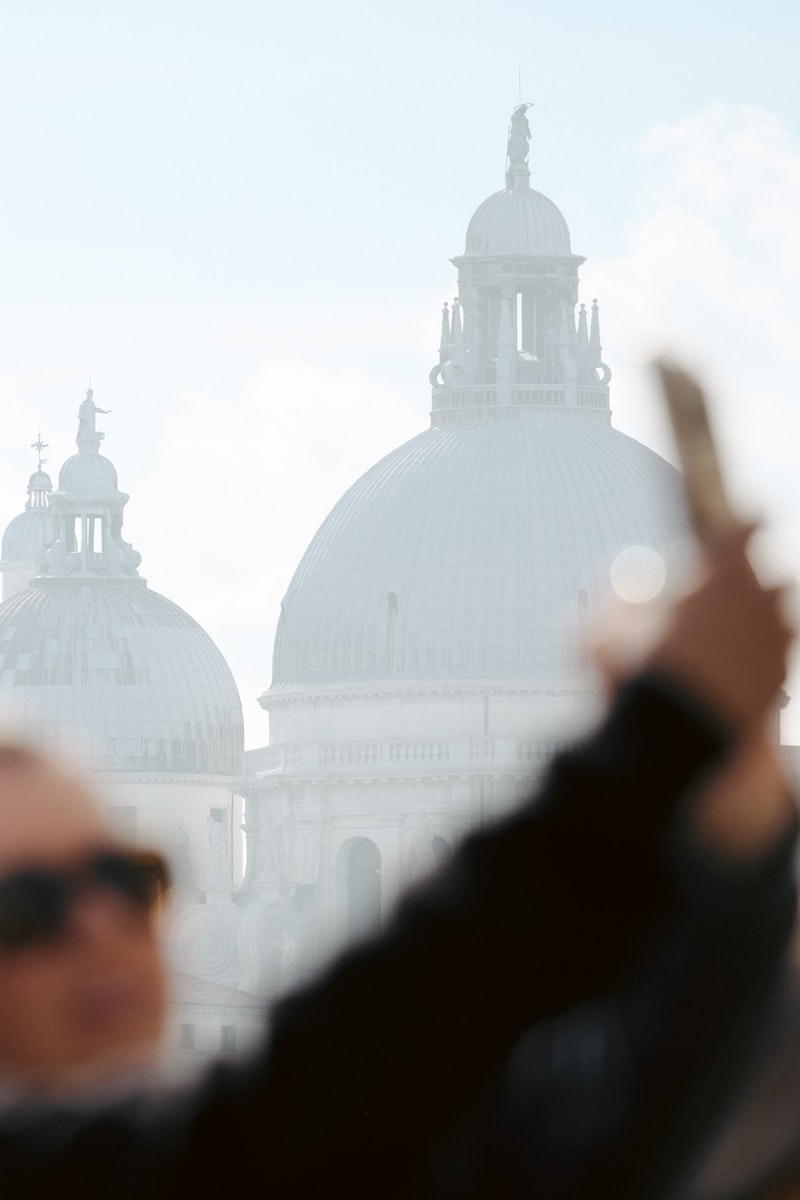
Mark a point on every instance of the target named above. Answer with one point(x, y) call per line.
point(711, 272)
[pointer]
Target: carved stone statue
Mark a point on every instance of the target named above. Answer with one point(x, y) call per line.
point(519, 137)
point(88, 439)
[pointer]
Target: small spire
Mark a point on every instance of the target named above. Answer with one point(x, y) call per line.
point(594, 335)
point(458, 332)
point(39, 446)
point(39, 485)
point(583, 328)
point(444, 340)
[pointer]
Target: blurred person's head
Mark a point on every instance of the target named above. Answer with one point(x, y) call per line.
point(81, 973)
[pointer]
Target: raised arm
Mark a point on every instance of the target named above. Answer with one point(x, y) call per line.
point(393, 1049)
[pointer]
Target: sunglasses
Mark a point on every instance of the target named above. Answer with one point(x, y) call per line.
point(35, 902)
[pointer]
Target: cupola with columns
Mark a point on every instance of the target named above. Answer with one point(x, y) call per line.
point(88, 510)
point(511, 339)
point(28, 535)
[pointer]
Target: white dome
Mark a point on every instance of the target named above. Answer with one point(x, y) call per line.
point(27, 536)
point(88, 475)
point(462, 554)
point(40, 481)
point(517, 221)
point(132, 675)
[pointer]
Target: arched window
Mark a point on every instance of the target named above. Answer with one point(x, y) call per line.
point(359, 863)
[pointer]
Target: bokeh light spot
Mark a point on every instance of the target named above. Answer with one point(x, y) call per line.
point(638, 574)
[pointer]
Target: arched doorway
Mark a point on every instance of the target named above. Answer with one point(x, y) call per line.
point(359, 876)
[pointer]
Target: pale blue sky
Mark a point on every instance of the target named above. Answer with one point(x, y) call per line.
point(237, 218)
point(186, 148)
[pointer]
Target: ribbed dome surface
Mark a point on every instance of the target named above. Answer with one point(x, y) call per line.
point(517, 221)
point(462, 553)
point(88, 475)
point(28, 535)
point(133, 676)
point(40, 481)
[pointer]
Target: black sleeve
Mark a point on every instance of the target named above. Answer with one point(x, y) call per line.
point(399, 1044)
point(619, 1096)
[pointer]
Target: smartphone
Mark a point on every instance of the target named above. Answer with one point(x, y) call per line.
point(710, 511)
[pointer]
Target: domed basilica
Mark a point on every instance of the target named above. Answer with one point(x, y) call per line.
point(432, 633)
point(437, 621)
point(94, 661)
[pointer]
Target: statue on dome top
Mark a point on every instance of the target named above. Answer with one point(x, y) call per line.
point(519, 137)
point(89, 439)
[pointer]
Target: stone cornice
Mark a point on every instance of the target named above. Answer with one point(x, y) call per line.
point(148, 778)
point(258, 785)
point(343, 693)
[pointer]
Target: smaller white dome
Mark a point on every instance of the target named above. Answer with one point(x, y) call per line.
point(40, 481)
point(88, 475)
point(27, 536)
point(517, 221)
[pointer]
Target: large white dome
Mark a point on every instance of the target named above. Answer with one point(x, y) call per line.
point(463, 553)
